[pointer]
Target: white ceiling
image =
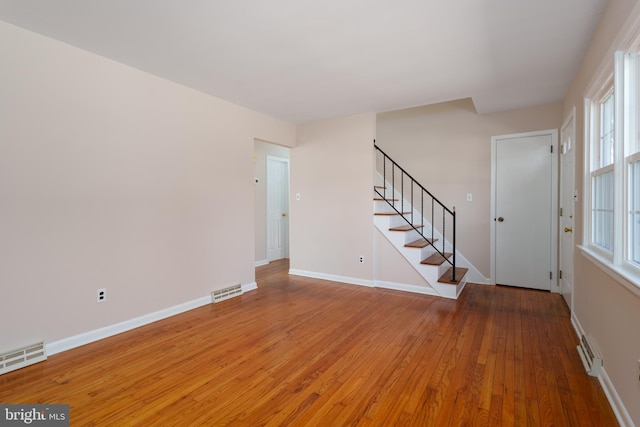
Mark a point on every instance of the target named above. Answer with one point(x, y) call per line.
point(302, 60)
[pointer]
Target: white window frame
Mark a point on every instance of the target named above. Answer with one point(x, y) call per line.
point(592, 164)
point(595, 166)
point(631, 148)
point(628, 162)
point(620, 75)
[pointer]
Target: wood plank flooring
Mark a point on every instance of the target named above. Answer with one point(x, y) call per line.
point(305, 352)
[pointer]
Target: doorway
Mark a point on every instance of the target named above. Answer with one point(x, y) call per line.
point(523, 206)
point(262, 151)
point(277, 208)
point(567, 206)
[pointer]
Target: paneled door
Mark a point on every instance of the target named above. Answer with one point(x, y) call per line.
point(277, 208)
point(523, 222)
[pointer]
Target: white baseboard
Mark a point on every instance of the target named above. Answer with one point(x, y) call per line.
point(624, 419)
point(261, 263)
point(406, 288)
point(620, 411)
point(249, 287)
point(333, 278)
point(576, 325)
point(107, 331)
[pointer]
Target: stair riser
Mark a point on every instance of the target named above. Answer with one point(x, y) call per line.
point(397, 220)
point(450, 291)
point(411, 236)
point(400, 205)
point(381, 206)
point(426, 252)
point(442, 268)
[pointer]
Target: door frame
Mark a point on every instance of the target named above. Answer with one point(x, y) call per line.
point(570, 120)
point(268, 191)
point(555, 284)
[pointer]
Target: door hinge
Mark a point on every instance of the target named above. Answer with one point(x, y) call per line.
point(560, 211)
point(560, 275)
point(552, 149)
point(551, 275)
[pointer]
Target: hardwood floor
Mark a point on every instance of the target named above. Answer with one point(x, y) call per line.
point(305, 352)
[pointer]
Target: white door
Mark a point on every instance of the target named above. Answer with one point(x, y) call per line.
point(523, 207)
point(277, 208)
point(567, 200)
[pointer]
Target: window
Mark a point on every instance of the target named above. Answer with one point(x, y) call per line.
point(632, 160)
point(602, 173)
point(612, 181)
point(634, 208)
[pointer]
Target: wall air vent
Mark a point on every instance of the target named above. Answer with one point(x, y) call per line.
point(590, 356)
point(21, 357)
point(226, 293)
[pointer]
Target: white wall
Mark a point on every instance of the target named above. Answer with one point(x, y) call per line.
point(114, 178)
point(331, 225)
point(602, 307)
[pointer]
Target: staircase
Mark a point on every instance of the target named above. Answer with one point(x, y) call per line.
point(399, 214)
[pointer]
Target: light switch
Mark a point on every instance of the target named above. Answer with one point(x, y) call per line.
point(469, 197)
point(297, 196)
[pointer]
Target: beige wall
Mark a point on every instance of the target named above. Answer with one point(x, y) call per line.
point(113, 178)
point(602, 307)
point(391, 269)
point(331, 225)
point(447, 147)
point(261, 151)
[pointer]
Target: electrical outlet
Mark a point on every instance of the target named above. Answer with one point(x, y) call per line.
point(361, 259)
point(102, 295)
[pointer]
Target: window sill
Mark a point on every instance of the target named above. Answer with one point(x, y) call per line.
point(624, 276)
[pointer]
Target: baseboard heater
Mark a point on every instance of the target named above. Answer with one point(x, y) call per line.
point(226, 293)
point(21, 357)
point(590, 356)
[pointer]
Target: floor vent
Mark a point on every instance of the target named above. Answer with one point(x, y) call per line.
point(590, 356)
point(21, 357)
point(226, 293)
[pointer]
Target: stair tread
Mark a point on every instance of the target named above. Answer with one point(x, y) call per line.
point(404, 228)
point(436, 258)
point(391, 213)
point(420, 243)
point(447, 277)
